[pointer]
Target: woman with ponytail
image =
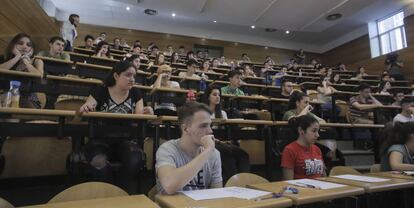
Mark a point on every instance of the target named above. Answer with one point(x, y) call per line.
point(302, 158)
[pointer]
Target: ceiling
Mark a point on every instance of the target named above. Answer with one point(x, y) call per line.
point(305, 18)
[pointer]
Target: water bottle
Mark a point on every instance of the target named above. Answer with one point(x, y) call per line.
point(13, 95)
point(300, 72)
point(203, 84)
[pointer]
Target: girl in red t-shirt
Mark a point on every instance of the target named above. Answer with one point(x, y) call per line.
point(302, 158)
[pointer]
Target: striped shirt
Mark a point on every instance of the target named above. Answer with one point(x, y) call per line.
point(355, 112)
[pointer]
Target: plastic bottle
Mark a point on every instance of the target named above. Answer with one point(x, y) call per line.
point(13, 95)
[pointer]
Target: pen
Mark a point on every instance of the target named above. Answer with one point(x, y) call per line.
point(306, 185)
point(273, 196)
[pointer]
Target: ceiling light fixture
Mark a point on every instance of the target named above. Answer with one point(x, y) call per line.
point(252, 26)
point(287, 32)
point(128, 8)
point(173, 14)
point(215, 21)
point(333, 17)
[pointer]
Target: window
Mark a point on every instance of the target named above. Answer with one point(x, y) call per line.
point(387, 34)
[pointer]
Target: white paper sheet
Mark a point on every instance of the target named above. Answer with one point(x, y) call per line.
point(237, 192)
point(315, 183)
point(362, 178)
point(409, 173)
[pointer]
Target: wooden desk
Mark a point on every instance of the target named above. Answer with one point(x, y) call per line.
point(83, 51)
point(119, 116)
point(40, 112)
point(180, 200)
point(391, 174)
point(136, 201)
point(6, 72)
point(392, 184)
point(56, 66)
point(309, 195)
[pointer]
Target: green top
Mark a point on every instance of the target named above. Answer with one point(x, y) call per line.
point(63, 56)
point(231, 91)
point(291, 113)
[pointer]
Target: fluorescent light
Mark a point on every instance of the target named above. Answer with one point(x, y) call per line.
point(252, 26)
point(215, 21)
point(128, 8)
point(287, 32)
point(173, 14)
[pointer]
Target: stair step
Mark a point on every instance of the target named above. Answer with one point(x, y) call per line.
point(345, 144)
point(358, 157)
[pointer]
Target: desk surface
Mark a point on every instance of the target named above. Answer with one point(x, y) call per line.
point(106, 68)
point(392, 175)
point(309, 195)
point(119, 116)
point(20, 73)
point(392, 184)
point(54, 60)
point(40, 112)
point(180, 200)
point(137, 201)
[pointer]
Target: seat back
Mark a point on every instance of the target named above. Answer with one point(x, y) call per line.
point(90, 190)
point(5, 204)
point(341, 170)
point(375, 168)
point(151, 193)
point(343, 107)
point(244, 179)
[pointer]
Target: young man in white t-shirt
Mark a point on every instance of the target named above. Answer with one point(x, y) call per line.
point(406, 115)
point(191, 162)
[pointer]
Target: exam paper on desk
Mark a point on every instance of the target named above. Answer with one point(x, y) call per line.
point(237, 192)
point(315, 183)
point(361, 178)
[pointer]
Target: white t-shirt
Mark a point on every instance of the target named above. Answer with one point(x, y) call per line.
point(223, 114)
point(184, 74)
point(402, 119)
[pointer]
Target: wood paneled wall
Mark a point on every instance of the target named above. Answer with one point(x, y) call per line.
point(25, 16)
point(358, 53)
point(231, 50)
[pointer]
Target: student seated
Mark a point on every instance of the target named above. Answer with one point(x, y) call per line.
point(191, 70)
point(191, 162)
point(136, 50)
point(154, 50)
point(247, 71)
point(398, 96)
point(102, 50)
point(336, 79)
point(205, 66)
point(123, 43)
point(215, 64)
point(175, 58)
point(384, 87)
point(19, 57)
point(169, 51)
point(245, 58)
point(299, 105)
point(117, 95)
point(88, 42)
point(397, 153)
point(407, 111)
point(222, 61)
point(135, 60)
point(264, 72)
point(233, 87)
point(181, 51)
point(234, 159)
point(279, 76)
point(325, 91)
point(163, 80)
point(341, 67)
point(287, 89)
point(101, 37)
point(361, 104)
point(360, 73)
point(270, 60)
point(56, 46)
point(117, 44)
point(190, 56)
point(302, 158)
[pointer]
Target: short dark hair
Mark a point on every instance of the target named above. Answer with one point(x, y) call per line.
point(117, 68)
point(284, 81)
point(406, 100)
point(72, 19)
point(181, 47)
point(154, 47)
point(233, 73)
point(244, 54)
point(137, 46)
point(191, 62)
point(56, 38)
point(8, 53)
point(102, 33)
point(302, 122)
point(189, 109)
point(88, 37)
point(363, 86)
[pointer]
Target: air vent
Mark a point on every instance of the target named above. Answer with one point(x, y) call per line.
point(270, 30)
point(150, 12)
point(333, 17)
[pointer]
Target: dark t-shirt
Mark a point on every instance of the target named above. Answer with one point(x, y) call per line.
point(106, 104)
point(280, 95)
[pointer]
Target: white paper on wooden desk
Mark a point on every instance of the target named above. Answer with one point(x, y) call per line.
point(237, 192)
point(315, 183)
point(362, 178)
point(409, 173)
